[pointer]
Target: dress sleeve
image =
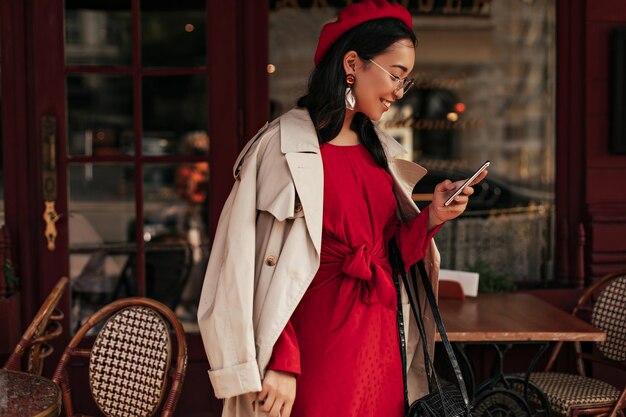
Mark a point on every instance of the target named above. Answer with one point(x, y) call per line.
point(413, 238)
point(286, 353)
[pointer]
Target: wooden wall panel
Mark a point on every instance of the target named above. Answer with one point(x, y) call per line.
point(598, 100)
point(605, 173)
point(607, 239)
point(603, 264)
point(606, 10)
point(606, 186)
point(597, 49)
point(598, 156)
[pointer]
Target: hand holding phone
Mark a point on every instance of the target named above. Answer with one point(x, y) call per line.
point(466, 183)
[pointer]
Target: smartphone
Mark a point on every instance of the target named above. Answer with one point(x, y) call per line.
point(466, 183)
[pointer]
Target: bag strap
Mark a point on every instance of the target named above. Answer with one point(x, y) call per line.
point(442, 331)
point(428, 364)
point(418, 318)
point(431, 373)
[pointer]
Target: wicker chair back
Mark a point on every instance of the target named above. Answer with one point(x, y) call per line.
point(135, 369)
point(609, 315)
point(129, 362)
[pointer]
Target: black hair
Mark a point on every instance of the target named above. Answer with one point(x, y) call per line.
point(325, 98)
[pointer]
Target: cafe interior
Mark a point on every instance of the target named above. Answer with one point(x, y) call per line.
point(121, 121)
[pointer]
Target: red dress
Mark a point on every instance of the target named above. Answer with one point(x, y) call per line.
point(342, 340)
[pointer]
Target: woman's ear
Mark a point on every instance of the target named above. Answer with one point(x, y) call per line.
point(350, 62)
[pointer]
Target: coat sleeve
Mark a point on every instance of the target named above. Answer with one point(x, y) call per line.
point(226, 301)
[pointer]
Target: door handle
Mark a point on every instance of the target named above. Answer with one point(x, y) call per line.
point(50, 215)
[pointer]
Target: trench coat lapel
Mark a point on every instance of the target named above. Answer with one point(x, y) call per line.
point(405, 174)
point(301, 148)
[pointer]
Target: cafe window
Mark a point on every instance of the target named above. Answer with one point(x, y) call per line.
point(137, 152)
point(485, 90)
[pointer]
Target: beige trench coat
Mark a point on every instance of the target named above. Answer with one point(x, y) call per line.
point(266, 252)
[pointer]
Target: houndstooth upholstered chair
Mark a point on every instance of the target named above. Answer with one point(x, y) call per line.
point(45, 327)
point(574, 395)
point(131, 361)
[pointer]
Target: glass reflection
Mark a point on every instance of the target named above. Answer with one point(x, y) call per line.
point(100, 115)
point(485, 81)
point(173, 107)
point(101, 219)
point(173, 36)
point(98, 33)
point(176, 234)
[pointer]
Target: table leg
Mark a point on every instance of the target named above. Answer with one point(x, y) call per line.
point(497, 373)
point(504, 395)
point(533, 395)
point(500, 402)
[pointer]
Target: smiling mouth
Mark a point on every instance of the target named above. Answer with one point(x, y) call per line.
point(386, 103)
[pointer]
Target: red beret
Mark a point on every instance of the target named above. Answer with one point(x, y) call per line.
point(355, 14)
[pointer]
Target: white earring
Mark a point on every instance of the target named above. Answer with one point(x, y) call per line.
point(350, 99)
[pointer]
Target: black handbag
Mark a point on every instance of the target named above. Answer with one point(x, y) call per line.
point(444, 400)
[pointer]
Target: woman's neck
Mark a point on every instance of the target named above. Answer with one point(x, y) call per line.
point(347, 136)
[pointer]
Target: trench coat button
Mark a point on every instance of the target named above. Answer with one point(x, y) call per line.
point(298, 208)
point(270, 260)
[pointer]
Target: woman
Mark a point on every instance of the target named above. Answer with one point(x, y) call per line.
point(298, 312)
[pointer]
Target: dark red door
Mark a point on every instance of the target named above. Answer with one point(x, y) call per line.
point(139, 109)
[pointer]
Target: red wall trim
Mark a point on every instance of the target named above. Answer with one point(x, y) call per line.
point(19, 160)
point(570, 145)
point(255, 20)
point(223, 102)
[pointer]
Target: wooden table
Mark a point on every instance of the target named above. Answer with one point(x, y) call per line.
point(28, 395)
point(512, 318)
point(503, 320)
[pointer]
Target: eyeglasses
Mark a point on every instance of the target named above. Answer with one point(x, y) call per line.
point(402, 84)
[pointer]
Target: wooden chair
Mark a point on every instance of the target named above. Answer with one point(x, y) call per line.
point(131, 360)
point(45, 327)
point(574, 395)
